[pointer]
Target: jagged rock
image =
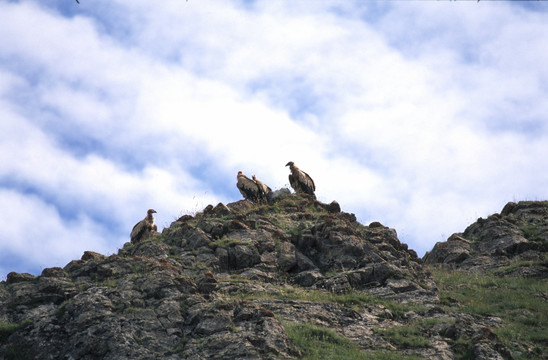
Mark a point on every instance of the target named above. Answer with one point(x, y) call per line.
point(287, 259)
point(237, 225)
point(304, 263)
point(277, 195)
point(91, 255)
point(455, 250)
point(14, 277)
point(243, 256)
point(240, 206)
point(206, 283)
point(519, 232)
point(376, 224)
point(334, 207)
point(221, 210)
point(214, 228)
point(53, 272)
point(308, 278)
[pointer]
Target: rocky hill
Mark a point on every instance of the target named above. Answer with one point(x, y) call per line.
point(514, 242)
point(288, 280)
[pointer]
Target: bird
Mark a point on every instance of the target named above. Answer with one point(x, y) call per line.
point(300, 181)
point(249, 189)
point(144, 228)
point(265, 189)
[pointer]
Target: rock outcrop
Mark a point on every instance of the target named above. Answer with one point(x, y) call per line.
point(514, 242)
point(228, 282)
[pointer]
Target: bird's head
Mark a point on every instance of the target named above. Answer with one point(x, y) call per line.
point(151, 211)
point(240, 173)
point(290, 164)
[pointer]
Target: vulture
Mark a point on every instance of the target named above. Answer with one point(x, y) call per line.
point(144, 228)
point(265, 189)
point(249, 189)
point(300, 181)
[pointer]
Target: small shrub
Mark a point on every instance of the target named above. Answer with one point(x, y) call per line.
point(295, 231)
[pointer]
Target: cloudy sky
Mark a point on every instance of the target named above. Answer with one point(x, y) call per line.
point(423, 115)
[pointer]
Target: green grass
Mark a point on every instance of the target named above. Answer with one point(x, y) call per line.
point(522, 263)
point(408, 336)
point(532, 232)
point(353, 299)
point(320, 343)
point(225, 242)
point(13, 352)
point(295, 231)
point(519, 302)
point(6, 329)
point(350, 299)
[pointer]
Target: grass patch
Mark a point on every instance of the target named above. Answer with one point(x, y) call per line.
point(519, 302)
point(319, 343)
point(295, 231)
point(408, 336)
point(521, 264)
point(355, 300)
point(6, 329)
point(532, 232)
point(351, 299)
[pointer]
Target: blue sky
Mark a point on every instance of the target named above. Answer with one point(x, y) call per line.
point(423, 115)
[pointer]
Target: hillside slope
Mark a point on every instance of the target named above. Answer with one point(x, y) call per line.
point(293, 279)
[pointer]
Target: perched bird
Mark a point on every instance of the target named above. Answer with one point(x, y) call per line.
point(265, 189)
point(144, 228)
point(300, 181)
point(249, 189)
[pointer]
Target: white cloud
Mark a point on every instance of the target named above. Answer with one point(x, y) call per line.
point(422, 116)
point(33, 232)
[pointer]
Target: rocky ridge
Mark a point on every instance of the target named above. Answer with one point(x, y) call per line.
point(514, 242)
point(230, 281)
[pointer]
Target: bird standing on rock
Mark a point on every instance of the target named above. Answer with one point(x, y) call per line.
point(265, 189)
point(249, 189)
point(300, 181)
point(143, 229)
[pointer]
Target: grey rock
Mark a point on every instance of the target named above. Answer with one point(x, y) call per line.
point(520, 231)
point(277, 195)
point(14, 277)
point(334, 207)
point(287, 259)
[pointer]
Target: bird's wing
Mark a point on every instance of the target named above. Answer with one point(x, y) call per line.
point(308, 181)
point(138, 230)
point(248, 188)
point(294, 183)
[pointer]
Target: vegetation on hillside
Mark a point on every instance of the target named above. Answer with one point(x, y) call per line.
point(521, 304)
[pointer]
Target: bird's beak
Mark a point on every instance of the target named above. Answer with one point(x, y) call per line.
point(289, 163)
